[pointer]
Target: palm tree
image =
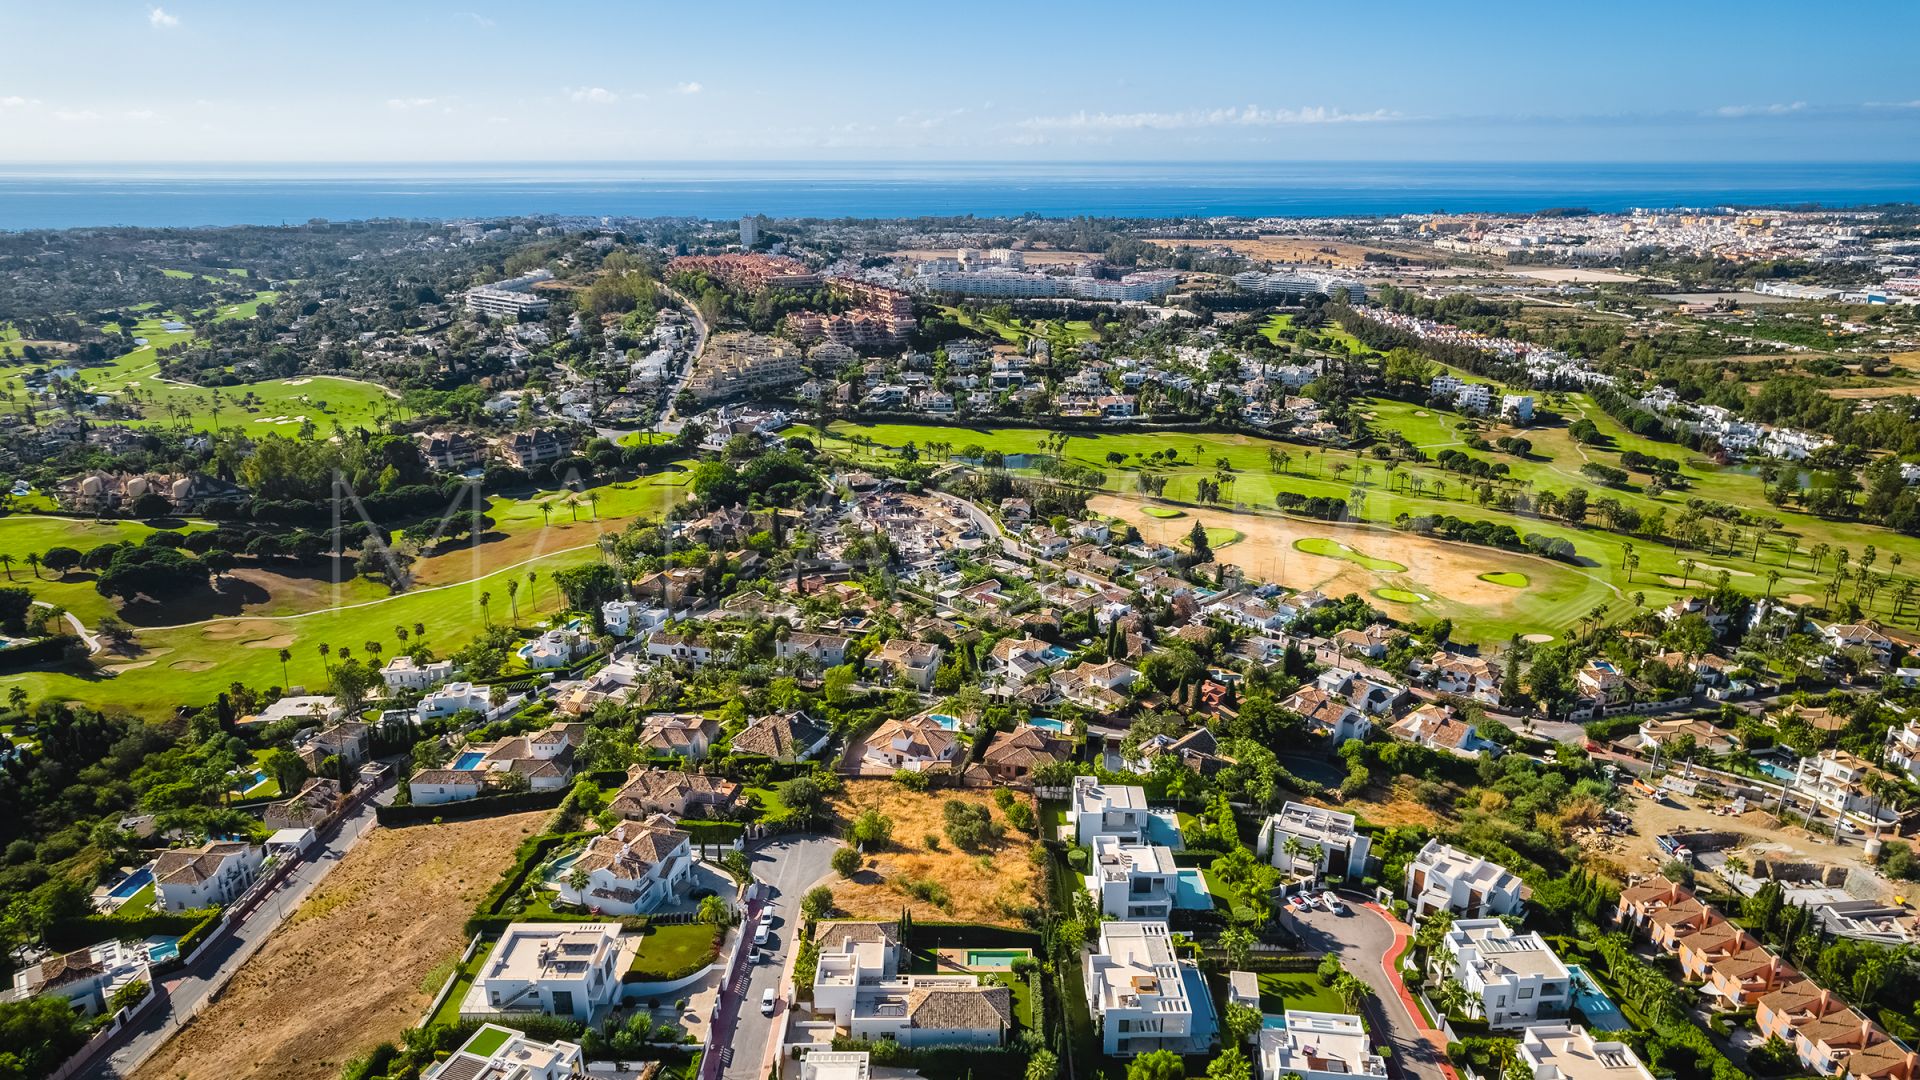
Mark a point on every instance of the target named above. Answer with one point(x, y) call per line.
point(419, 630)
point(1686, 571)
point(593, 500)
point(325, 649)
point(513, 592)
point(485, 599)
point(546, 512)
point(532, 576)
point(1353, 992)
point(285, 655)
point(33, 560)
point(6, 563)
point(1773, 578)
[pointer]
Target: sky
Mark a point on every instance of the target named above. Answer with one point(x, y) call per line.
point(719, 80)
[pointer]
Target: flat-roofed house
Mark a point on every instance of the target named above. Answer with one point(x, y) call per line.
point(1325, 842)
point(1137, 990)
point(1133, 881)
point(1565, 1051)
point(1109, 810)
point(1512, 976)
point(1444, 877)
point(1319, 1046)
point(569, 969)
point(861, 980)
point(498, 1053)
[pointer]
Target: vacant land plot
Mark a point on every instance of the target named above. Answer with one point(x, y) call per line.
point(345, 972)
point(1294, 249)
point(923, 871)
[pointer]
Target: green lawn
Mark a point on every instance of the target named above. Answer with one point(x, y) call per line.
point(1513, 579)
point(767, 801)
point(1334, 549)
point(137, 905)
point(674, 952)
point(1280, 991)
point(1164, 512)
point(485, 1041)
point(23, 534)
point(449, 1011)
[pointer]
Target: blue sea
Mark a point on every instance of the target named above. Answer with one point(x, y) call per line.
point(67, 196)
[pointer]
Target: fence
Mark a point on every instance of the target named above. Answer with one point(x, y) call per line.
point(83, 1058)
point(453, 979)
point(393, 817)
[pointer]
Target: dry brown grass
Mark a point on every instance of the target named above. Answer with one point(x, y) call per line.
point(344, 973)
point(1299, 249)
point(989, 886)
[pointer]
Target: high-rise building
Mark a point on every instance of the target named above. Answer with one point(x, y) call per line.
point(749, 230)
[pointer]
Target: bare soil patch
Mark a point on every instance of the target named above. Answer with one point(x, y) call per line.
point(1298, 249)
point(990, 885)
point(344, 973)
point(1267, 553)
point(1860, 392)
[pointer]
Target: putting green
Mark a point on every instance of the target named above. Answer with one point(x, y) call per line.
point(1333, 549)
point(1401, 596)
point(1218, 537)
point(1513, 579)
point(1162, 512)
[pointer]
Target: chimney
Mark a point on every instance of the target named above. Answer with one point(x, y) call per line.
point(1826, 999)
point(1866, 1033)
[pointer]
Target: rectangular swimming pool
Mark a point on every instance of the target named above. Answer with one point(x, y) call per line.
point(469, 760)
point(133, 883)
point(995, 958)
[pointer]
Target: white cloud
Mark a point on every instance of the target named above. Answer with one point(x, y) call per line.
point(141, 114)
point(1243, 116)
point(14, 101)
point(479, 20)
point(1894, 104)
point(687, 88)
point(594, 95)
point(161, 19)
point(76, 116)
point(1776, 109)
point(404, 104)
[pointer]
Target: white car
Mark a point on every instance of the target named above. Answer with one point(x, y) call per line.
point(1332, 903)
point(767, 1001)
point(761, 934)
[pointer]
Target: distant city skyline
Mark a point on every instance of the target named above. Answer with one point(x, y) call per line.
point(588, 80)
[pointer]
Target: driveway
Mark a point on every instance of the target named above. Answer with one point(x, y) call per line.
point(788, 866)
point(187, 992)
point(1365, 941)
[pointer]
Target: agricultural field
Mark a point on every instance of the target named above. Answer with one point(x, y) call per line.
point(922, 871)
point(1555, 596)
point(363, 944)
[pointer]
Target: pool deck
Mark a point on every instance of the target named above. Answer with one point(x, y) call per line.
point(957, 960)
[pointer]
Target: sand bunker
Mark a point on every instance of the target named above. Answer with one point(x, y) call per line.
point(192, 665)
point(1536, 639)
point(277, 641)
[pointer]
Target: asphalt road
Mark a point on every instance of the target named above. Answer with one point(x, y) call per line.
point(187, 993)
point(789, 865)
point(1361, 938)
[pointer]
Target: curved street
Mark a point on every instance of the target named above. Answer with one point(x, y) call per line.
point(1369, 941)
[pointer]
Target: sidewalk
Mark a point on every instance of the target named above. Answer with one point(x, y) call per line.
point(1390, 966)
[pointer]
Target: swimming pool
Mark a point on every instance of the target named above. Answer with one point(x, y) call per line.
point(945, 721)
point(162, 948)
point(1274, 1020)
point(132, 883)
point(248, 783)
point(995, 958)
point(1164, 828)
point(1599, 1009)
point(1191, 893)
point(469, 760)
point(1778, 772)
point(1047, 723)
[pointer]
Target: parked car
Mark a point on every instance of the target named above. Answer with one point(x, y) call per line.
point(1298, 902)
point(761, 934)
point(767, 1001)
point(1332, 903)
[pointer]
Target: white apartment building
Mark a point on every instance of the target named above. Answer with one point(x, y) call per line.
point(1325, 842)
point(1118, 810)
point(1319, 1046)
point(860, 981)
point(1137, 990)
point(1513, 977)
point(1563, 1051)
point(1837, 780)
point(1444, 877)
point(561, 969)
point(497, 1053)
point(211, 875)
point(402, 674)
point(1133, 881)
